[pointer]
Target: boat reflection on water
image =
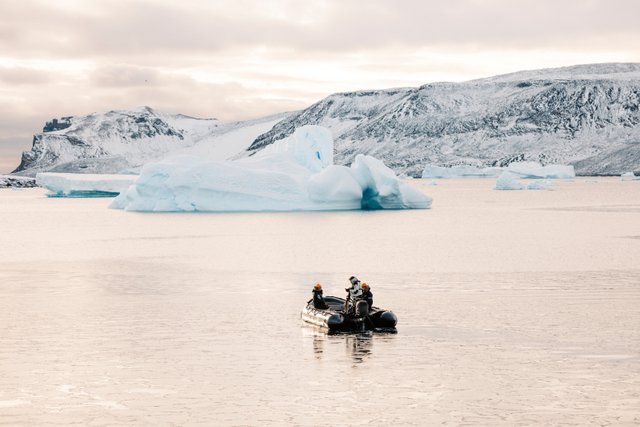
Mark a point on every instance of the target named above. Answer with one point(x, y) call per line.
point(318, 345)
point(358, 346)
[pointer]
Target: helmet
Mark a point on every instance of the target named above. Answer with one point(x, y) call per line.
point(364, 285)
point(317, 286)
point(353, 280)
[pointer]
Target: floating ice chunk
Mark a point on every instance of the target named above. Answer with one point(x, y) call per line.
point(293, 174)
point(537, 171)
point(541, 184)
point(84, 185)
point(508, 181)
point(627, 176)
point(523, 169)
point(459, 171)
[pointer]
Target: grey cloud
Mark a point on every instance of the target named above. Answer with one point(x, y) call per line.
point(23, 76)
point(25, 109)
point(118, 28)
point(9, 155)
point(16, 130)
point(139, 51)
point(123, 76)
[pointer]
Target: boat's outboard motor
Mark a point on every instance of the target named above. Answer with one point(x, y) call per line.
point(361, 309)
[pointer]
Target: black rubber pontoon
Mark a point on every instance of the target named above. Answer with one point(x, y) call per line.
point(336, 320)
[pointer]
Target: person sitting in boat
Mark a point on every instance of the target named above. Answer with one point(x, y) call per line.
point(318, 299)
point(367, 295)
point(354, 293)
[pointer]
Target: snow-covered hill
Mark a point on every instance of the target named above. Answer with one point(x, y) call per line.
point(121, 141)
point(586, 115)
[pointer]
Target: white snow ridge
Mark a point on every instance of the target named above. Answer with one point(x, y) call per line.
point(296, 173)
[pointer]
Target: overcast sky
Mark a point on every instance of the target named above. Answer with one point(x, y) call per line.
point(237, 59)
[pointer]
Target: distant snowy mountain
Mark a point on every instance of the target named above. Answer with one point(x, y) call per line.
point(121, 141)
point(585, 115)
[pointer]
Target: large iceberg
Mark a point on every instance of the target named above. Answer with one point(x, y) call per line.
point(296, 173)
point(84, 185)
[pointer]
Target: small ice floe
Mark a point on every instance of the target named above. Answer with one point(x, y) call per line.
point(629, 176)
point(544, 176)
point(510, 181)
point(84, 185)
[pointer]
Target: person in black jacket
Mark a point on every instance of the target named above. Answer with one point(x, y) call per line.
point(367, 295)
point(318, 299)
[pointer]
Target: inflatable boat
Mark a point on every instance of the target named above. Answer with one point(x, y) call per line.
point(361, 319)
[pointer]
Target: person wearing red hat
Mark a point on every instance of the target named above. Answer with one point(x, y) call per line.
point(318, 299)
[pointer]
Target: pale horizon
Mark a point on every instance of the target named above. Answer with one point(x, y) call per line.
point(246, 59)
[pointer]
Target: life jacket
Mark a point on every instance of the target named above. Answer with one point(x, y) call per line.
point(368, 297)
point(318, 299)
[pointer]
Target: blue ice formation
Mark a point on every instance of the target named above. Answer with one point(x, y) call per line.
point(296, 173)
point(83, 185)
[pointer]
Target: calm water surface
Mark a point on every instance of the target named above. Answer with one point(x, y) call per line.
point(515, 308)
